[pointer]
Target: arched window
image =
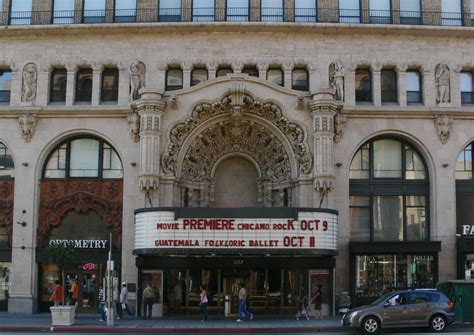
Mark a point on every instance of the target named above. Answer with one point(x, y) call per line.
point(57, 89)
point(275, 75)
point(6, 161)
point(84, 157)
point(389, 192)
point(198, 75)
point(464, 164)
point(174, 79)
point(300, 80)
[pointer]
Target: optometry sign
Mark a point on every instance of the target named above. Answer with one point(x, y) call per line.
point(311, 230)
point(81, 244)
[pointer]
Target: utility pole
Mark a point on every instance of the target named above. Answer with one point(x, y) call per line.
point(110, 290)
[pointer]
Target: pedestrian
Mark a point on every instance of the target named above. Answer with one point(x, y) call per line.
point(317, 300)
point(122, 303)
point(74, 295)
point(57, 296)
point(203, 303)
point(148, 300)
point(178, 296)
point(101, 303)
point(243, 304)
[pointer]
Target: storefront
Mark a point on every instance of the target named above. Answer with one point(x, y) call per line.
point(279, 254)
point(465, 229)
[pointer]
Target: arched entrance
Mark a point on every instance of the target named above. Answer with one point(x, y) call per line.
point(236, 183)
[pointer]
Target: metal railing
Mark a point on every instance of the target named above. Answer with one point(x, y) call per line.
point(237, 14)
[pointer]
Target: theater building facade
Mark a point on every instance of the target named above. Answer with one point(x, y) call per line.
point(330, 149)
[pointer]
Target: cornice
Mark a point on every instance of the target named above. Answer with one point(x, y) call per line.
point(67, 112)
point(407, 112)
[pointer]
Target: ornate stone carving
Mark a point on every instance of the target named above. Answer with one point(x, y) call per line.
point(27, 124)
point(336, 80)
point(173, 102)
point(266, 110)
point(6, 205)
point(300, 103)
point(339, 125)
point(137, 79)
point(30, 75)
point(133, 121)
point(61, 196)
point(442, 78)
point(443, 124)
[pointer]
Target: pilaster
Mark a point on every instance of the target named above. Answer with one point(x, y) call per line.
point(288, 74)
point(186, 75)
point(42, 90)
point(401, 82)
point(429, 89)
point(70, 85)
point(124, 85)
point(96, 84)
point(376, 85)
point(349, 86)
point(455, 89)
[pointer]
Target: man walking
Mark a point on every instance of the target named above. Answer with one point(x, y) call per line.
point(123, 302)
point(57, 295)
point(101, 303)
point(243, 304)
point(148, 300)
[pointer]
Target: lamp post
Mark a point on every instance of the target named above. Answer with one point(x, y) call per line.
point(110, 268)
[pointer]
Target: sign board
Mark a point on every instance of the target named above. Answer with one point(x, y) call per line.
point(160, 230)
point(82, 244)
point(468, 230)
point(88, 266)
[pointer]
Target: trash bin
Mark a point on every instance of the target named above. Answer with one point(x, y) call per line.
point(227, 305)
point(461, 292)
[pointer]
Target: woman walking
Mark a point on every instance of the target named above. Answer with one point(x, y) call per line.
point(203, 303)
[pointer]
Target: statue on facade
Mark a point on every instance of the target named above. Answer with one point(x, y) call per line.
point(137, 79)
point(443, 124)
point(29, 75)
point(443, 94)
point(336, 80)
point(27, 124)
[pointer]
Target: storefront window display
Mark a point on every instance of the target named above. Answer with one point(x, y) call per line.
point(5, 284)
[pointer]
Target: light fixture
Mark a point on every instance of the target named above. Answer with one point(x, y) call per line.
point(338, 164)
point(24, 164)
point(22, 223)
point(445, 165)
point(133, 164)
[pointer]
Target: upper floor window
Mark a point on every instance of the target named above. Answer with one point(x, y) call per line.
point(237, 10)
point(349, 11)
point(6, 161)
point(464, 163)
point(300, 80)
point(5, 85)
point(380, 11)
point(94, 11)
point(413, 86)
point(305, 11)
point(198, 76)
point(410, 11)
point(20, 11)
point(203, 10)
point(125, 10)
point(83, 158)
point(223, 71)
point(109, 89)
point(63, 12)
point(174, 79)
point(451, 13)
point(363, 84)
point(250, 70)
point(389, 86)
point(84, 85)
point(272, 10)
point(170, 11)
point(275, 76)
point(467, 95)
point(57, 90)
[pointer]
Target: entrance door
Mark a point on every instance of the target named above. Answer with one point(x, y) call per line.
point(231, 289)
point(88, 285)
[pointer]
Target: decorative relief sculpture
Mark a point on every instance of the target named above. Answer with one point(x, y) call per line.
point(266, 110)
point(30, 74)
point(336, 80)
point(442, 77)
point(173, 102)
point(299, 105)
point(137, 79)
point(27, 126)
point(443, 124)
point(339, 125)
point(133, 121)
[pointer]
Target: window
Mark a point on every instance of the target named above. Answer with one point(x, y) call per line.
point(125, 10)
point(380, 11)
point(5, 85)
point(94, 11)
point(203, 10)
point(300, 80)
point(250, 70)
point(275, 76)
point(110, 81)
point(451, 14)
point(467, 95)
point(359, 218)
point(198, 76)
point(237, 10)
point(6, 161)
point(83, 158)
point(84, 85)
point(413, 86)
point(363, 80)
point(472, 12)
point(63, 12)
point(410, 11)
point(464, 164)
point(387, 159)
point(389, 86)
point(349, 11)
point(20, 12)
point(174, 79)
point(57, 91)
point(305, 11)
point(360, 165)
point(170, 11)
point(272, 10)
point(224, 71)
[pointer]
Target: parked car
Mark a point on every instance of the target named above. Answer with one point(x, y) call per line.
point(406, 308)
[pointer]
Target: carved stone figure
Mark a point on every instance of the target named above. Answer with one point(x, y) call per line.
point(137, 79)
point(443, 124)
point(299, 105)
point(30, 74)
point(173, 102)
point(443, 94)
point(27, 126)
point(339, 124)
point(336, 80)
point(133, 121)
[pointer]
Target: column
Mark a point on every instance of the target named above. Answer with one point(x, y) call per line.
point(186, 74)
point(376, 84)
point(124, 85)
point(401, 84)
point(16, 85)
point(288, 74)
point(71, 84)
point(318, 78)
point(211, 70)
point(42, 86)
point(96, 83)
point(429, 88)
point(262, 70)
point(455, 88)
point(237, 67)
point(349, 86)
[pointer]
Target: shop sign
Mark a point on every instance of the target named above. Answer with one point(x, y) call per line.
point(82, 244)
point(88, 266)
point(160, 230)
point(468, 230)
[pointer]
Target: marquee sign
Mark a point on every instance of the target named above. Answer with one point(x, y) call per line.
point(312, 230)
